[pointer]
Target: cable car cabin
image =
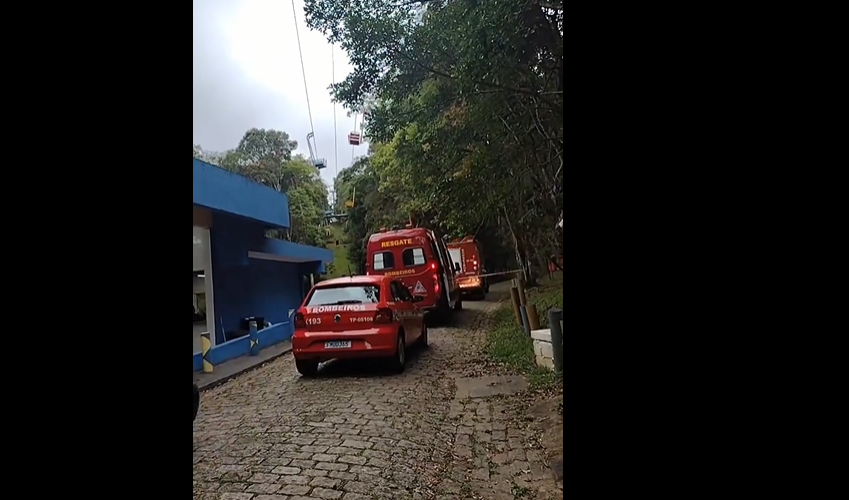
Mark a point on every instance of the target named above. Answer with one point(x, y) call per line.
point(468, 253)
point(349, 204)
point(354, 139)
point(320, 163)
point(421, 262)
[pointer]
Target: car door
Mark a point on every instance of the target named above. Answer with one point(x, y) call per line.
point(404, 309)
point(417, 313)
point(450, 273)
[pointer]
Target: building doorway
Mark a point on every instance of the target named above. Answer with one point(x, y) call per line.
point(202, 305)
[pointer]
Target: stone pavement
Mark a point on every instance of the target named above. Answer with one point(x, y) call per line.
point(359, 433)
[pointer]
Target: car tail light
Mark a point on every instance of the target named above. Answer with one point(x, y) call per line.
point(300, 322)
point(433, 265)
point(435, 284)
point(383, 316)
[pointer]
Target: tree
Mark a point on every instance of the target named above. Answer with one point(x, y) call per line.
point(467, 121)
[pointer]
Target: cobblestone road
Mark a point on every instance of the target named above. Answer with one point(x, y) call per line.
point(359, 433)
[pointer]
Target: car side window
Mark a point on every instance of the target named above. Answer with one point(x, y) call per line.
point(405, 293)
point(383, 260)
point(413, 257)
point(397, 295)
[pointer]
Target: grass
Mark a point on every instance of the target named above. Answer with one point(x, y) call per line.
point(340, 252)
point(507, 343)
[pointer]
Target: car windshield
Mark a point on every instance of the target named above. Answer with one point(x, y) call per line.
point(340, 295)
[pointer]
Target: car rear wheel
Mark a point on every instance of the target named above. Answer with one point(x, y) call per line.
point(399, 360)
point(307, 368)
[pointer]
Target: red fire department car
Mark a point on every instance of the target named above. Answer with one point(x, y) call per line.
point(467, 253)
point(421, 261)
point(357, 317)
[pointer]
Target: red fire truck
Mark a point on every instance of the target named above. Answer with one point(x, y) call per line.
point(467, 252)
point(420, 260)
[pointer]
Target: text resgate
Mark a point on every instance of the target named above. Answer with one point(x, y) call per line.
point(396, 243)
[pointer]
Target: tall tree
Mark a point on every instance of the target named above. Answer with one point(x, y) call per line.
point(468, 111)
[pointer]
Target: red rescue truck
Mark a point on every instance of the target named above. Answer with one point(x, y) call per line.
point(420, 260)
point(467, 252)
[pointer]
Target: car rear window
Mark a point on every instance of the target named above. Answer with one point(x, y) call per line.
point(383, 260)
point(359, 294)
point(413, 257)
point(456, 255)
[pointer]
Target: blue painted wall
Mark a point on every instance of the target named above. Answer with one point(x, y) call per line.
point(251, 287)
point(263, 288)
point(242, 210)
point(218, 189)
point(241, 347)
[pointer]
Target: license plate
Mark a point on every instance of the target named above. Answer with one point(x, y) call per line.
point(339, 344)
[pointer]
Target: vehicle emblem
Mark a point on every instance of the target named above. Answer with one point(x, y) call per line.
point(419, 288)
point(337, 318)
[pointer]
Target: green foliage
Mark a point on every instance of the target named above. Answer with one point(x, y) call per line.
point(341, 266)
point(507, 343)
point(466, 111)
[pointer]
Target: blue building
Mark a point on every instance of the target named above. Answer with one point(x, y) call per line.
point(237, 271)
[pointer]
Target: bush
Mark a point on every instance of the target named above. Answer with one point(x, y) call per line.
point(507, 343)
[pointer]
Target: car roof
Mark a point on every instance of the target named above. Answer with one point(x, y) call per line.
point(351, 280)
point(398, 233)
point(456, 244)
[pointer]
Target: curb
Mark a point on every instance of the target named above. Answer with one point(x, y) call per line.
point(216, 383)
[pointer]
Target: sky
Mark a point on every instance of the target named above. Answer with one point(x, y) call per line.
point(246, 73)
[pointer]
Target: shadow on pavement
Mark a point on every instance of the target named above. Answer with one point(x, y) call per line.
point(365, 367)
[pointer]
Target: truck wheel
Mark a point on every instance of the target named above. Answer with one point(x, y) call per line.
point(423, 339)
point(443, 310)
point(458, 306)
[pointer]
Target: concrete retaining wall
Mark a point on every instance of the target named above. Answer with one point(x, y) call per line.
point(542, 348)
point(241, 347)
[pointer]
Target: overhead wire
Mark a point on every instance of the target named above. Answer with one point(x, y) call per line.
point(335, 134)
point(304, 73)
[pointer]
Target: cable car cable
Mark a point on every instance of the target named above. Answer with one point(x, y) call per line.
point(335, 134)
point(303, 72)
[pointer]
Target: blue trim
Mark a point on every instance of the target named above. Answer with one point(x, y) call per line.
point(241, 347)
point(297, 251)
point(224, 191)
